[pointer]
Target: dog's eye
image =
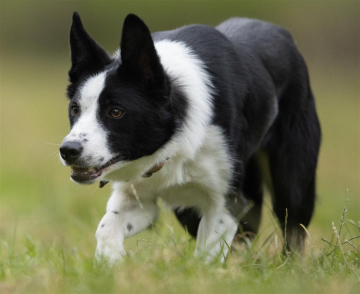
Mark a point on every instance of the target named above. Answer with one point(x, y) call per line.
point(75, 110)
point(116, 112)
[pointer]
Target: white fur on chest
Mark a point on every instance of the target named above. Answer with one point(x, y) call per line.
point(182, 182)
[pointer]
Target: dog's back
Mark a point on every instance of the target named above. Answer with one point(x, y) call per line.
point(269, 43)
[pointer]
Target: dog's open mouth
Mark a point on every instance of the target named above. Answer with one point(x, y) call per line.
point(87, 175)
point(84, 175)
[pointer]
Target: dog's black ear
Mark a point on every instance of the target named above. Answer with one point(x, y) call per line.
point(138, 54)
point(87, 57)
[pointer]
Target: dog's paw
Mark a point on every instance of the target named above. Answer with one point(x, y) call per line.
point(105, 253)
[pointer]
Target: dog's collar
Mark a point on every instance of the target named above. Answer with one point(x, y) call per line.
point(153, 170)
point(148, 174)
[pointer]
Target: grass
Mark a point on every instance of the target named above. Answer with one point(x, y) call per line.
point(162, 261)
point(47, 223)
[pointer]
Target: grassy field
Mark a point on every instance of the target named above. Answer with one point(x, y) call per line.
point(47, 223)
point(161, 261)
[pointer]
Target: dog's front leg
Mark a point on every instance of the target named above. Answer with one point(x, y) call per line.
point(124, 218)
point(215, 235)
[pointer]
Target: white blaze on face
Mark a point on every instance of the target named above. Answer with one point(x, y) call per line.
point(87, 130)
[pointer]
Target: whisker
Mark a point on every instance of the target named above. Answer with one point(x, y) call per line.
point(96, 187)
point(51, 154)
point(56, 156)
point(52, 144)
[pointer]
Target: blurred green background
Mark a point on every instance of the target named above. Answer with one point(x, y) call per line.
point(37, 197)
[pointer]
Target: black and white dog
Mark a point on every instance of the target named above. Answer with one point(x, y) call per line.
point(184, 115)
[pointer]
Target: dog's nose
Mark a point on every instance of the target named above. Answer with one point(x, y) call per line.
point(70, 151)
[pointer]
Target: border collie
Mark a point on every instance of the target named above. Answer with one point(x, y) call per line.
point(185, 115)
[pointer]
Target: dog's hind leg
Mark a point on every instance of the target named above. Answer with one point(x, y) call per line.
point(253, 192)
point(124, 217)
point(292, 147)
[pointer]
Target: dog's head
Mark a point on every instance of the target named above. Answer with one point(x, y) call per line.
point(119, 108)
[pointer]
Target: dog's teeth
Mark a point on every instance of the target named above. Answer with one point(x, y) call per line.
point(85, 171)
